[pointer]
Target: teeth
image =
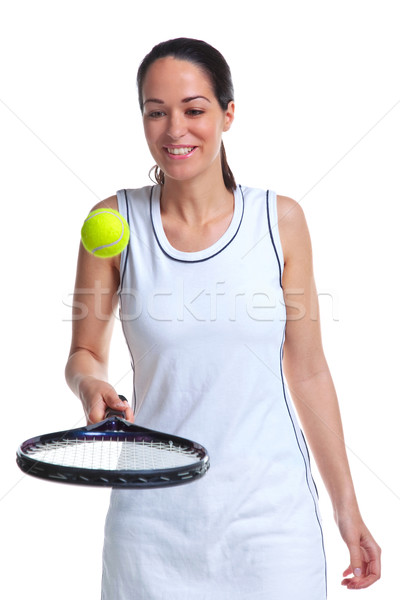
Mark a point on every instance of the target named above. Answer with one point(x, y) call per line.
point(180, 150)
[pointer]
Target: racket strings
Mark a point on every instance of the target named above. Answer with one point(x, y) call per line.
point(113, 455)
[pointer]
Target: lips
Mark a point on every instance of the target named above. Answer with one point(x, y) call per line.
point(179, 151)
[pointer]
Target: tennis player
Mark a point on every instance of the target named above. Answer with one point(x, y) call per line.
point(221, 354)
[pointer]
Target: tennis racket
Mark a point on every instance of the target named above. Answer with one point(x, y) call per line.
point(113, 453)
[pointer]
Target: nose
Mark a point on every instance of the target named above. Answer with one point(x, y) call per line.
point(176, 126)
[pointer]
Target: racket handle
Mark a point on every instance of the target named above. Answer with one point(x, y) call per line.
point(111, 412)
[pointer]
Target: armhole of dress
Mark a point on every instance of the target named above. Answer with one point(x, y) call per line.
point(272, 213)
point(123, 208)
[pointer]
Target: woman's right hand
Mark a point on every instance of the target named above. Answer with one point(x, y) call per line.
point(96, 396)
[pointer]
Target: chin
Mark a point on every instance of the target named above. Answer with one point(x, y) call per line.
point(180, 174)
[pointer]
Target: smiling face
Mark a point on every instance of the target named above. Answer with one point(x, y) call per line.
point(183, 121)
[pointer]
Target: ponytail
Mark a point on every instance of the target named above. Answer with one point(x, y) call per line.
point(227, 174)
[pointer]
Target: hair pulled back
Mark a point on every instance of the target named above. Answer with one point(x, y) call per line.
point(213, 64)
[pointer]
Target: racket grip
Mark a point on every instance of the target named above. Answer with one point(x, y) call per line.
point(111, 412)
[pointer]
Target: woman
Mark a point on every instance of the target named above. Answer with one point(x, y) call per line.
point(206, 302)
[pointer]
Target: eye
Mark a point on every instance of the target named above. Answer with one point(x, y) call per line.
point(194, 112)
point(156, 114)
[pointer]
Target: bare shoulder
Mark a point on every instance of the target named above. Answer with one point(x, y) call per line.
point(293, 228)
point(111, 202)
point(289, 211)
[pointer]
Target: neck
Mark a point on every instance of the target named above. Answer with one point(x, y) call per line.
point(195, 202)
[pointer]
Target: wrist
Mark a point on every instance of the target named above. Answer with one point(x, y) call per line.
point(82, 370)
point(345, 508)
point(80, 383)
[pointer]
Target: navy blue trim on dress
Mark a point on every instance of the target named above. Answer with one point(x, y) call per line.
point(272, 238)
point(307, 468)
point(121, 276)
point(308, 454)
point(200, 259)
point(121, 284)
point(132, 361)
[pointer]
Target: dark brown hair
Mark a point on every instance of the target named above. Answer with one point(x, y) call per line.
point(213, 64)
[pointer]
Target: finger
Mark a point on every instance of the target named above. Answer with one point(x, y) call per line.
point(347, 571)
point(371, 574)
point(129, 415)
point(358, 583)
point(97, 410)
point(372, 557)
point(114, 401)
point(356, 559)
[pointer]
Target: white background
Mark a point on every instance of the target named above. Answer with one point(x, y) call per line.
point(317, 119)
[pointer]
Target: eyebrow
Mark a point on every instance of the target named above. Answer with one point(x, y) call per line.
point(185, 100)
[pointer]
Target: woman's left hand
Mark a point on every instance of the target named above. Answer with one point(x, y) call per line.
point(365, 554)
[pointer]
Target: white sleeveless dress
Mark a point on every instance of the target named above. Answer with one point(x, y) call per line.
point(205, 331)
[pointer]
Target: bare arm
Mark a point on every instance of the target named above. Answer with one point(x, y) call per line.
point(314, 395)
point(95, 300)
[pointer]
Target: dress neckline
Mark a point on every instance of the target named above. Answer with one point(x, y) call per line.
point(200, 255)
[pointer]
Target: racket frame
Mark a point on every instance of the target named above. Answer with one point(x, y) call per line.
point(114, 428)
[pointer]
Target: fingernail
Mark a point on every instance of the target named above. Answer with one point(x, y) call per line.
point(357, 572)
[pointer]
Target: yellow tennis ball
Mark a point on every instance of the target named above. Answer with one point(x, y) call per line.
point(105, 232)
